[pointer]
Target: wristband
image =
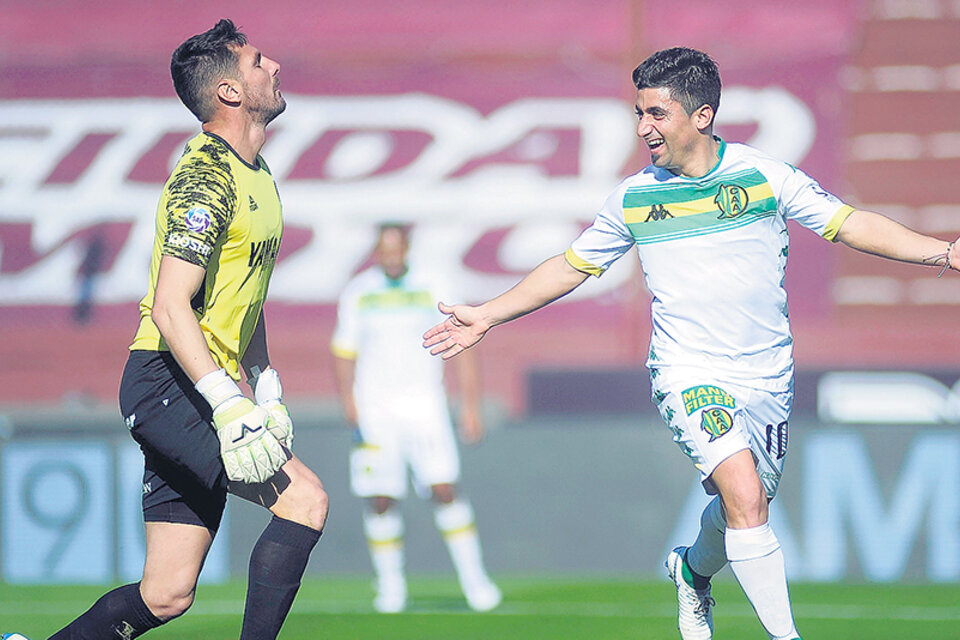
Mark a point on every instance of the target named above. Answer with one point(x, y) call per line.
point(217, 388)
point(267, 387)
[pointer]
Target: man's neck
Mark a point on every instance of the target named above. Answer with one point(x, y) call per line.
point(246, 138)
point(704, 159)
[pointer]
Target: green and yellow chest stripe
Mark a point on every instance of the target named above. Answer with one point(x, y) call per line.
point(395, 298)
point(658, 213)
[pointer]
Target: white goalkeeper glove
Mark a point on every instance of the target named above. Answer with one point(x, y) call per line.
point(249, 450)
point(268, 391)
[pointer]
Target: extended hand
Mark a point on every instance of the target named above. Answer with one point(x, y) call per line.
point(463, 328)
point(250, 452)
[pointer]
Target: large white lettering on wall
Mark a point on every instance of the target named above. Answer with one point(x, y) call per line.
point(75, 172)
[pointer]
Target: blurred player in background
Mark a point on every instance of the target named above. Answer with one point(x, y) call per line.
point(218, 229)
point(709, 221)
point(392, 391)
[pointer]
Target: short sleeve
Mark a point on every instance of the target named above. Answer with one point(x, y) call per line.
point(803, 200)
point(200, 203)
point(604, 241)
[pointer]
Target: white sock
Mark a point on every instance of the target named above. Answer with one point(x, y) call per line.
point(757, 562)
point(456, 524)
point(708, 554)
point(385, 540)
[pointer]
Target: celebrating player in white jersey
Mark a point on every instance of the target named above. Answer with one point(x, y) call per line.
point(708, 219)
point(393, 392)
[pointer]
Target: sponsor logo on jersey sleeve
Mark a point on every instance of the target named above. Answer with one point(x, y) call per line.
point(182, 241)
point(197, 219)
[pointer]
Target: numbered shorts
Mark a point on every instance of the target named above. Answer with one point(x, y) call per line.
point(710, 421)
point(183, 479)
point(413, 433)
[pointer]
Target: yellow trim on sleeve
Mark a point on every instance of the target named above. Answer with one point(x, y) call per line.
point(580, 264)
point(833, 227)
point(340, 352)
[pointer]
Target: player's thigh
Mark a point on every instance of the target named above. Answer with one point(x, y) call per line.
point(704, 417)
point(766, 420)
point(175, 554)
point(377, 464)
point(184, 480)
point(431, 448)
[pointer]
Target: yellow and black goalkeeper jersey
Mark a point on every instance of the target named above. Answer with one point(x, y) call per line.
point(222, 214)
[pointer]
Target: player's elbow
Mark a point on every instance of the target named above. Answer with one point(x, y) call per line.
point(161, 318)
point(163, 315)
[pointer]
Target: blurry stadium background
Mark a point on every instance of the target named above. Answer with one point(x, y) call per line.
point(496, 129)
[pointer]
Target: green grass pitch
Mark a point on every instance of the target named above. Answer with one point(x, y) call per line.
point(534, 607)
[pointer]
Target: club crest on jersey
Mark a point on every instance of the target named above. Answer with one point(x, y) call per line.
point(197, 219)
point(732, 200)
point(716, 422)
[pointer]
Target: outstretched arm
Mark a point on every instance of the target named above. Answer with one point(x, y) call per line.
point(879, 235)
point(552, 279)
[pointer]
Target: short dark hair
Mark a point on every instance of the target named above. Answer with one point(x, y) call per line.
point(691, 76)
point(202, 60)
point(398, 225)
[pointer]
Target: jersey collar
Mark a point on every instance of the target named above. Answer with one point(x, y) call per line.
point(252, 167)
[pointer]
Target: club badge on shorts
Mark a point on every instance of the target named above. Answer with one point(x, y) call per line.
point(715, 419)
point(716, 422)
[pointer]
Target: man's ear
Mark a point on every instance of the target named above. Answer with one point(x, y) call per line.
point(228, 92)
point(703, 117)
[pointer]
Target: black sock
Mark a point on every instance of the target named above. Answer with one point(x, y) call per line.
point(120, 613)
point(699, 582)
point(276, 566)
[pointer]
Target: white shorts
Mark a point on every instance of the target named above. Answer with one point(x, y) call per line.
point(406, 432)
point(711, 421)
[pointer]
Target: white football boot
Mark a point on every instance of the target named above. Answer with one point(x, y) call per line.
point(483, 596)
point(391, 596)
point(694, 607)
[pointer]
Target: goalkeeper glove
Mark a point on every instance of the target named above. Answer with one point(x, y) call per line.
point(268, 391)
point(249, 451)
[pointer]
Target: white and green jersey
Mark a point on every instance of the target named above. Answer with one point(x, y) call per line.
point(713, 251)
point(380, 324)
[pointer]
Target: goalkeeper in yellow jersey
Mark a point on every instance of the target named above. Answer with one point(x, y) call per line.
point(201, 330)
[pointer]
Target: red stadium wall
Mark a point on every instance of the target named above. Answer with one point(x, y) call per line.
point(497, 129)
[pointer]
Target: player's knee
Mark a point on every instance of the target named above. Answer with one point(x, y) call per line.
point(444, 493)
point(745, 507)
point(313, 504)
point(167, 601)
point(305, 501)
point(381, 504)
point(319, 506)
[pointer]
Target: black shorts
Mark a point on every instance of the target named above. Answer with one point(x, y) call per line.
point(183, 479)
